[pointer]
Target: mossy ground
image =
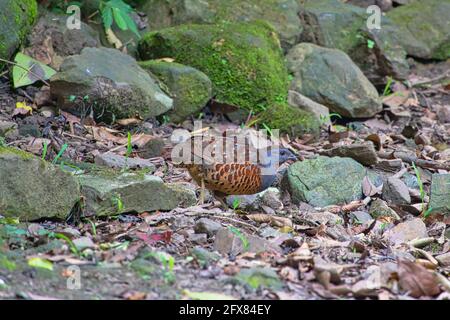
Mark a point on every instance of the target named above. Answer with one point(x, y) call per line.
point(243, 60)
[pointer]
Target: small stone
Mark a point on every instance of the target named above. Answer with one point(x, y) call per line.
point(321, 112)
point(117, 161)
point(361, 217)
point(8, 129)
point(83, 243)
point(153, 148)
point(271, 198)
point(259, 277)
point(440, 193)
point(379, 208)
point(198, 238)
point(444, 259)
point(208, 226)
point(203, 256)
point(234, 242)
point(406, 231)
point(395, 191)
point(324, 218)
point(364, 153)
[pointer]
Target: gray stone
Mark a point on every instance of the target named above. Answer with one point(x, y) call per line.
point(117, 161)
point(31, 188)
point(324, 218)
point(109, 81)
point(329, 77)
point(208, 226)
point(83, 243)
point(440, 193)
point(233, 242)
point(258, 277)
point(282, 14)
point(325, 181)
point(111, 193)
point(333, 24)
point(407, 231)
point(425, 27)
point(379, 208)
point(321, 112)
point(361, 217)
point(444, 259)
point(198, 238)
point(395, 191)
point(190, 88)
point(364, 152)
point(63, 41)
point(8, 129)
point(153, 148)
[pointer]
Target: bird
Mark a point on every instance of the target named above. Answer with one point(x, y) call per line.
point(237, 177)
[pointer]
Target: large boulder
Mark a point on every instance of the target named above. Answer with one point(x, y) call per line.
point(113, 192)
point(51, 36)
point(426, 28)
point(31, 188)
point(333, 24)
point(110, 82)
point(16, 19)
point(243, 60)
point(326, 181)
point(329, 77)
point(282, 14)
point(190, 88)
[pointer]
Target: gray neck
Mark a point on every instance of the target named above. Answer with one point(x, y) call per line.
point(267, 181)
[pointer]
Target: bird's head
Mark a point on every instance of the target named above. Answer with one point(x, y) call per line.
point(277, 156)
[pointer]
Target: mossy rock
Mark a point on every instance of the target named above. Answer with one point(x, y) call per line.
point(333, 24)
point(426, 25)
point(282, 14)
point(243, 60)
point(16, 19)
point(31, 188)
point(189, 88)
point(289, 119)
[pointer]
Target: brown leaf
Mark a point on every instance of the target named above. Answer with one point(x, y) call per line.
point(417, 280)
point(369, 189)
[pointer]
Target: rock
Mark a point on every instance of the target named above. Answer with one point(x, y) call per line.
point(440, 193)
point(329, 77)
point(443, 114)
point(16, 19)
point(208, 226)
point(291, 120)
point(321, 112)
point(51, 36)
point(243, 60)
point(325, 181)
point(425, 28)
point(360, 217)
point(83, 243)
point(198, 238)
point(444, 259)
point(153, 148)
point(406, 231)
point(117, 161)
point(190, 88)
point(204, 257)
point(122, 91)
point(364, 152)
point(8, 129)
point(110, 193)
point(379, 208)
point(282, 14)
point(259, 277)
point(269, 197)
point(324, 218)
point(30, 129)
point(31, 188)
point(395, 191)
point(333, 24)
point(233, 242)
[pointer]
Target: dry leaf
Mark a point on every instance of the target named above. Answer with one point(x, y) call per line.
point(417, 280)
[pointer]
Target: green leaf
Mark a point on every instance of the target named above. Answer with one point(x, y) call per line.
point(207, 295)
point(370, 44)
point(107, 17)
point(131, 25)
point(37, 262)
point(119, 19)
point(28, 71)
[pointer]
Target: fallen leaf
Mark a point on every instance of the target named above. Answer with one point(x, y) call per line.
point(417, 280)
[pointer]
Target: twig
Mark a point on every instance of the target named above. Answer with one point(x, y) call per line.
point(420, 243)
point(233, 220)
point(421, 83)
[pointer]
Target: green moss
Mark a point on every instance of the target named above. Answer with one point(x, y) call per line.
point(15, 151)
point(16, 19)
point(243, 60)
point(290, 120)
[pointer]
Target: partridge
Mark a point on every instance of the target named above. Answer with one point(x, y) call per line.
point(238, 178)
